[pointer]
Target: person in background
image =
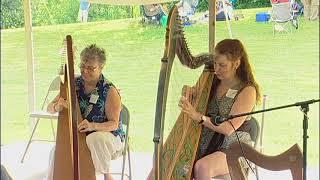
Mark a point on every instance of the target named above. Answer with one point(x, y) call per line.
point(153, 12)
point(220, 14)
point(84, 10)
point(311, 9)
point(314, 10)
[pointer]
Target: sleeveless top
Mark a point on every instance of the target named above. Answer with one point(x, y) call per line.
point(210, 140)
point(92, 105)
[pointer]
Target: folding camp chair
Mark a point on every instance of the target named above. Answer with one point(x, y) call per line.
point(43, 114)
point(283, 17)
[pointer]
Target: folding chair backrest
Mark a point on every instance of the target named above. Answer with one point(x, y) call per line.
point(255, 131)
point(125, 115)
point(54, 86)
point(281, 11)
point(125, 118)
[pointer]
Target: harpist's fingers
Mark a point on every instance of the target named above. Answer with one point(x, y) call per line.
point(183, 110)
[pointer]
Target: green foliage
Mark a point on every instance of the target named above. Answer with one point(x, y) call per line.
point(11, 14)
point(203, 5)
point(48, 12)
point(246, 4)
point(107, 12)
point(239, 4)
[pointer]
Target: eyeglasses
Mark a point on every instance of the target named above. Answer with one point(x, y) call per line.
point(88, 68)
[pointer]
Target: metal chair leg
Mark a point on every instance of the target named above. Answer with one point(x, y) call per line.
point(129, 161)
point(261, 131)
point(30, 140)
point(257, 172)
point(123, 163)
point(53, 132)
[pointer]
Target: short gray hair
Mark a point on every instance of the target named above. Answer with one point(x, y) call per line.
point(93, 52)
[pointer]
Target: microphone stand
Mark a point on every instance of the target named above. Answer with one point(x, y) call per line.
point(304, 107)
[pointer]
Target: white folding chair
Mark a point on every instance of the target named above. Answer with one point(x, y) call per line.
point(43, 114)
point(125, 117)
point(283, 17)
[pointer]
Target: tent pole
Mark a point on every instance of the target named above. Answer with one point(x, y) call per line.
point(30, 60)
point(212, 25)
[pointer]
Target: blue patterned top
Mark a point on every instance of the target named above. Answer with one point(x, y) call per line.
point(95, 111)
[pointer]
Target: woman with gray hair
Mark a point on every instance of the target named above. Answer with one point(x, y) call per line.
point(100, 106)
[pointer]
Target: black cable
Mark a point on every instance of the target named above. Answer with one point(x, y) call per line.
point(243, 151)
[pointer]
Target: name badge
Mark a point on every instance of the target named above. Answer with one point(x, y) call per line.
point(93, 98)
point(231, 93)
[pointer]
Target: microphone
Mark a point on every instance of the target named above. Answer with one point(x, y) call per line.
point(218, 120)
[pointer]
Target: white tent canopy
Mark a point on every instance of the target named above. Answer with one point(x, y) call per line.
point(130, 2)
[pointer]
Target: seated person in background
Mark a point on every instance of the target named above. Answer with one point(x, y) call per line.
point(296, 8)
point(100, 106)
point(153, 10)
point(220, 14)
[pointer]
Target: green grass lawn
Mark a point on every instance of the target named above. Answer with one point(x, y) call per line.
point(286, 66)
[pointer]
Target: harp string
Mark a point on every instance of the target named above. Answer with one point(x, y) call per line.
point(180, 76)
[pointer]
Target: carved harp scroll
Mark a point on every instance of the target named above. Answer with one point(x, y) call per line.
point(72, 156)
point(175, 158)
point(291, 159)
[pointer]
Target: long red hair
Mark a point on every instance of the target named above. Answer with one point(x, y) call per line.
point(234, 50)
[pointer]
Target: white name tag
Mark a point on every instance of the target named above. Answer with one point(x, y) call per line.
point(231, 93)
point(93, 98)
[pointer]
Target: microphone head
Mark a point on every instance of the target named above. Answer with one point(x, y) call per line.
point(218, 120)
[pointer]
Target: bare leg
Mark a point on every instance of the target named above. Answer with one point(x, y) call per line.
point(108, 177)
point(214, 164)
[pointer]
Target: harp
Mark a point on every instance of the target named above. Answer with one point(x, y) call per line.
point(72, 156)
point(175, 158)
point(291, 159)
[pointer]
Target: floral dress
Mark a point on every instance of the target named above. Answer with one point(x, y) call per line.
point(92, 105)
point(211, 141)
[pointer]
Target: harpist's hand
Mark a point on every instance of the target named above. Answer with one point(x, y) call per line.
point(60, 104)
point(189, 109)
point(86, 126)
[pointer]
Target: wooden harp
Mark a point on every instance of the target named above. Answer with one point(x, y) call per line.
point(72, 156)
point(175, 158)
point(291, 159)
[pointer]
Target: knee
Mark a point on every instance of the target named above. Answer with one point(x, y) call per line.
point(98, 138)
point(200, 168)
